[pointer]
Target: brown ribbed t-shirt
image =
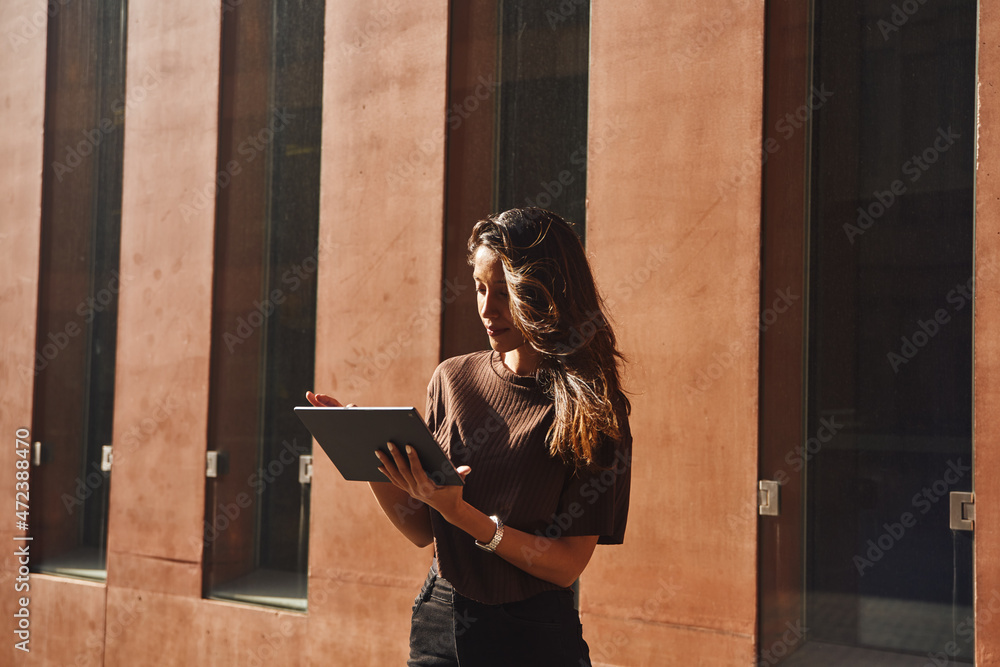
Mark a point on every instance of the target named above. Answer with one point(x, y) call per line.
point(494, 421)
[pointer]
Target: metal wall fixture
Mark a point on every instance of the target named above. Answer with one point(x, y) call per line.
point(768, 492)
point(963, 510)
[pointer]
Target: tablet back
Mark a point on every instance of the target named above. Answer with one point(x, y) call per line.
point(350, 436)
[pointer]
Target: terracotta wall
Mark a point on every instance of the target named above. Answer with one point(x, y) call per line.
point(675, 106)
point(157, 492)
point(379, 300)
point(675, 112)
point(22, 80)
point(659, 235)
point(151, 611)
point(154, 567)
point(986, 423)
point(77, 609)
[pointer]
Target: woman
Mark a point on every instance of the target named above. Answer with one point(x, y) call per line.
point(538, 425)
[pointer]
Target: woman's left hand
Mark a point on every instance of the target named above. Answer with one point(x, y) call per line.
point(558, 560)
point(404, 470)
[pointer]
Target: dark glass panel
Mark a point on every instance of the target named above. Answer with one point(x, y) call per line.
point(264, 319)
point(890, 327)
point(78, 286)
point(517, 130)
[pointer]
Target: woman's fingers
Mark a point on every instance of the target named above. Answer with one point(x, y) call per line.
point(322, 400)
point(405, 471)
point(418, 472)
point(426, 487)
point(402, 465)
point(396, 468)
point(329, 401)
point(389, 469)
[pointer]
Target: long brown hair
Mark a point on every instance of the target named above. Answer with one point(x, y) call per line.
point(555, 305)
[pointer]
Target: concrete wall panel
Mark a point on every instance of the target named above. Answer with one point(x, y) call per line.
point(986, 423)
point(361, 621)
point(161, 392)
point(23, 25)
point(152, 628)
point(675, 113)
point(379, 300)
point(166, 266)
point(638, 643)
point(68, 621)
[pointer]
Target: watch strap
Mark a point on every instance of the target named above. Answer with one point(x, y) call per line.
point(497, 536)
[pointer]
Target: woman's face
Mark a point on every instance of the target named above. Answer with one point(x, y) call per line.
point(492, 299)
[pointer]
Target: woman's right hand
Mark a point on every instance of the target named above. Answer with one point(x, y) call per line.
point(415, 524)
point(324, 401)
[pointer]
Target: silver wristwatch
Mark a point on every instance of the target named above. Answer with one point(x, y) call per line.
point(497, 536)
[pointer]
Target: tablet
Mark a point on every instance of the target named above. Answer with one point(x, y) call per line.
point(350, 436)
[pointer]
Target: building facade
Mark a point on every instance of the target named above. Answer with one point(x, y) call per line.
point(792, 209)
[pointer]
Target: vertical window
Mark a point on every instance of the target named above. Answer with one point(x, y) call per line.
point(543, 59)
point(890, 327)
point(264, 303)
point(74, 370)
point(517, 129)
point(866, 356)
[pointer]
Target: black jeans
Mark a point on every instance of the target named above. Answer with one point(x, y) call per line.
point(448, 629)
point(432, 626)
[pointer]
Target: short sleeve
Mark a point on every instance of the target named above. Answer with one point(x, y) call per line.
point(434, 410)
point(595, 502)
